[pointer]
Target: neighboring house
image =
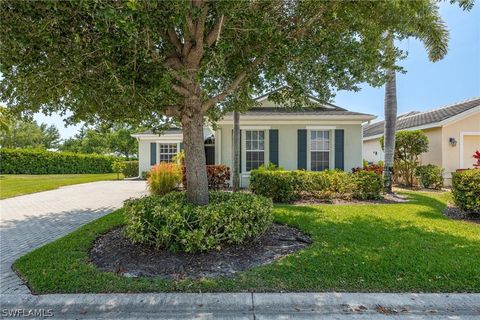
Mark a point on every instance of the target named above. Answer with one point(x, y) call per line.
point(453, 132)
point(319, 138)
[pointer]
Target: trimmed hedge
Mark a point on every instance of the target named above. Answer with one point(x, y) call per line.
point(172, 223)
point(466, 190)
point(430, 176)
point(131, 169)
point(289, 186)
point(34, 161)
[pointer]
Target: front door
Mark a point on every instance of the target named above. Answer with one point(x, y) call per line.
point(210, 154)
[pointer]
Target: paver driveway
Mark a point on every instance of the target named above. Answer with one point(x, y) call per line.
point(30, 221)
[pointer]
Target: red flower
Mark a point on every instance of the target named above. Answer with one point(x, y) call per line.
point(476, 155)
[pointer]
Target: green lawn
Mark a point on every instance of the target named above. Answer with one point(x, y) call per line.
point(12, 185)
point(380, 247)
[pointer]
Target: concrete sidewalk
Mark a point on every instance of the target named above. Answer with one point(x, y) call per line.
point(245, 306)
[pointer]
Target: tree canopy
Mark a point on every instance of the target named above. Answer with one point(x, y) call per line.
point(104, 140)
point(25, 133)
point(129, 61)
point(141, 61)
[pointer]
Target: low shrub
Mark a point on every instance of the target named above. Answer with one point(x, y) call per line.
point(145, 175)
point(131, 169)
point(164, 178)
point(172, 223)
point(34, 161)
point(118, 166)
point(278, 185)
point(217, 176)
point(466, 190)
point(326, 185)
point(430, 176)
point(289, 186)
point(367, 185)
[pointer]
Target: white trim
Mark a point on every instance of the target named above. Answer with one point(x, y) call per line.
point(291, 122)
point(255, 127)
point(331, 149)
point(266, 147)
point(218, 146)
point(152, 136)
point(307, 117)
point(320, 127)
point(377, 136)
point(165, 142)
point(462, 135)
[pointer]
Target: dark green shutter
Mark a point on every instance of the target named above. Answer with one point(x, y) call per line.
point(302, 149)
point(153, 153)
point(339, 149)
point(181, 146)
point(273, 146)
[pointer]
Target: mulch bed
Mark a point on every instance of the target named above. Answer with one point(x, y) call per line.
point(113, 252)
point(456, 213)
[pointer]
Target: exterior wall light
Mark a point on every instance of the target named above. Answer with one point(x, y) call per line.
point(452, 141)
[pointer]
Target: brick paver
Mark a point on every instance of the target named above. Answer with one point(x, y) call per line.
point(30, 221)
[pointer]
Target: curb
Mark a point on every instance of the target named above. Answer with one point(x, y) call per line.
point(241, 305)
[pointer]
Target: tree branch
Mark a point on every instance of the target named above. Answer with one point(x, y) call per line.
point(181, 91)
point(234, 85)
point(214, 34)
point(174, 40)
point(172, 111)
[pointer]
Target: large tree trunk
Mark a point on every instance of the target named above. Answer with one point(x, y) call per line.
point(390, 128)
point(195, 162)
point(236, 151)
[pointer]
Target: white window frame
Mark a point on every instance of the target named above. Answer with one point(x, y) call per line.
point(328, 149)
point(264, 150)
point(159, 146)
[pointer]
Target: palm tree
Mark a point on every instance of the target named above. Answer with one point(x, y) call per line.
point(236, 151)
point(433, 32)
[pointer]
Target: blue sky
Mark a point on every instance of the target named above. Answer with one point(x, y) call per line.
point(425, 86)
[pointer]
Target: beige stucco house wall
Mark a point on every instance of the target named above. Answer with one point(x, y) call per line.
point(464, 129)
point(466, 132)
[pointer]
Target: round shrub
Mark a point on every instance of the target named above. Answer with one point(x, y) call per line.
point(430, 176)
point(164, 178)
point(278, 185)
point(173, 223)
point(466, 190)
point(368, 185)
point(327, 184)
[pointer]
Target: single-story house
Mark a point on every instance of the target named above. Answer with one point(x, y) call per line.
point(453, 132)
point(323, 137)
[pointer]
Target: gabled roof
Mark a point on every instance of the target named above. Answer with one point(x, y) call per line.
point(166, 132)
point(321, 109)
point(432, 118)
point(260, 111)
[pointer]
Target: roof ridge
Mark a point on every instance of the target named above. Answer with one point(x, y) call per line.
point(442, 107)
